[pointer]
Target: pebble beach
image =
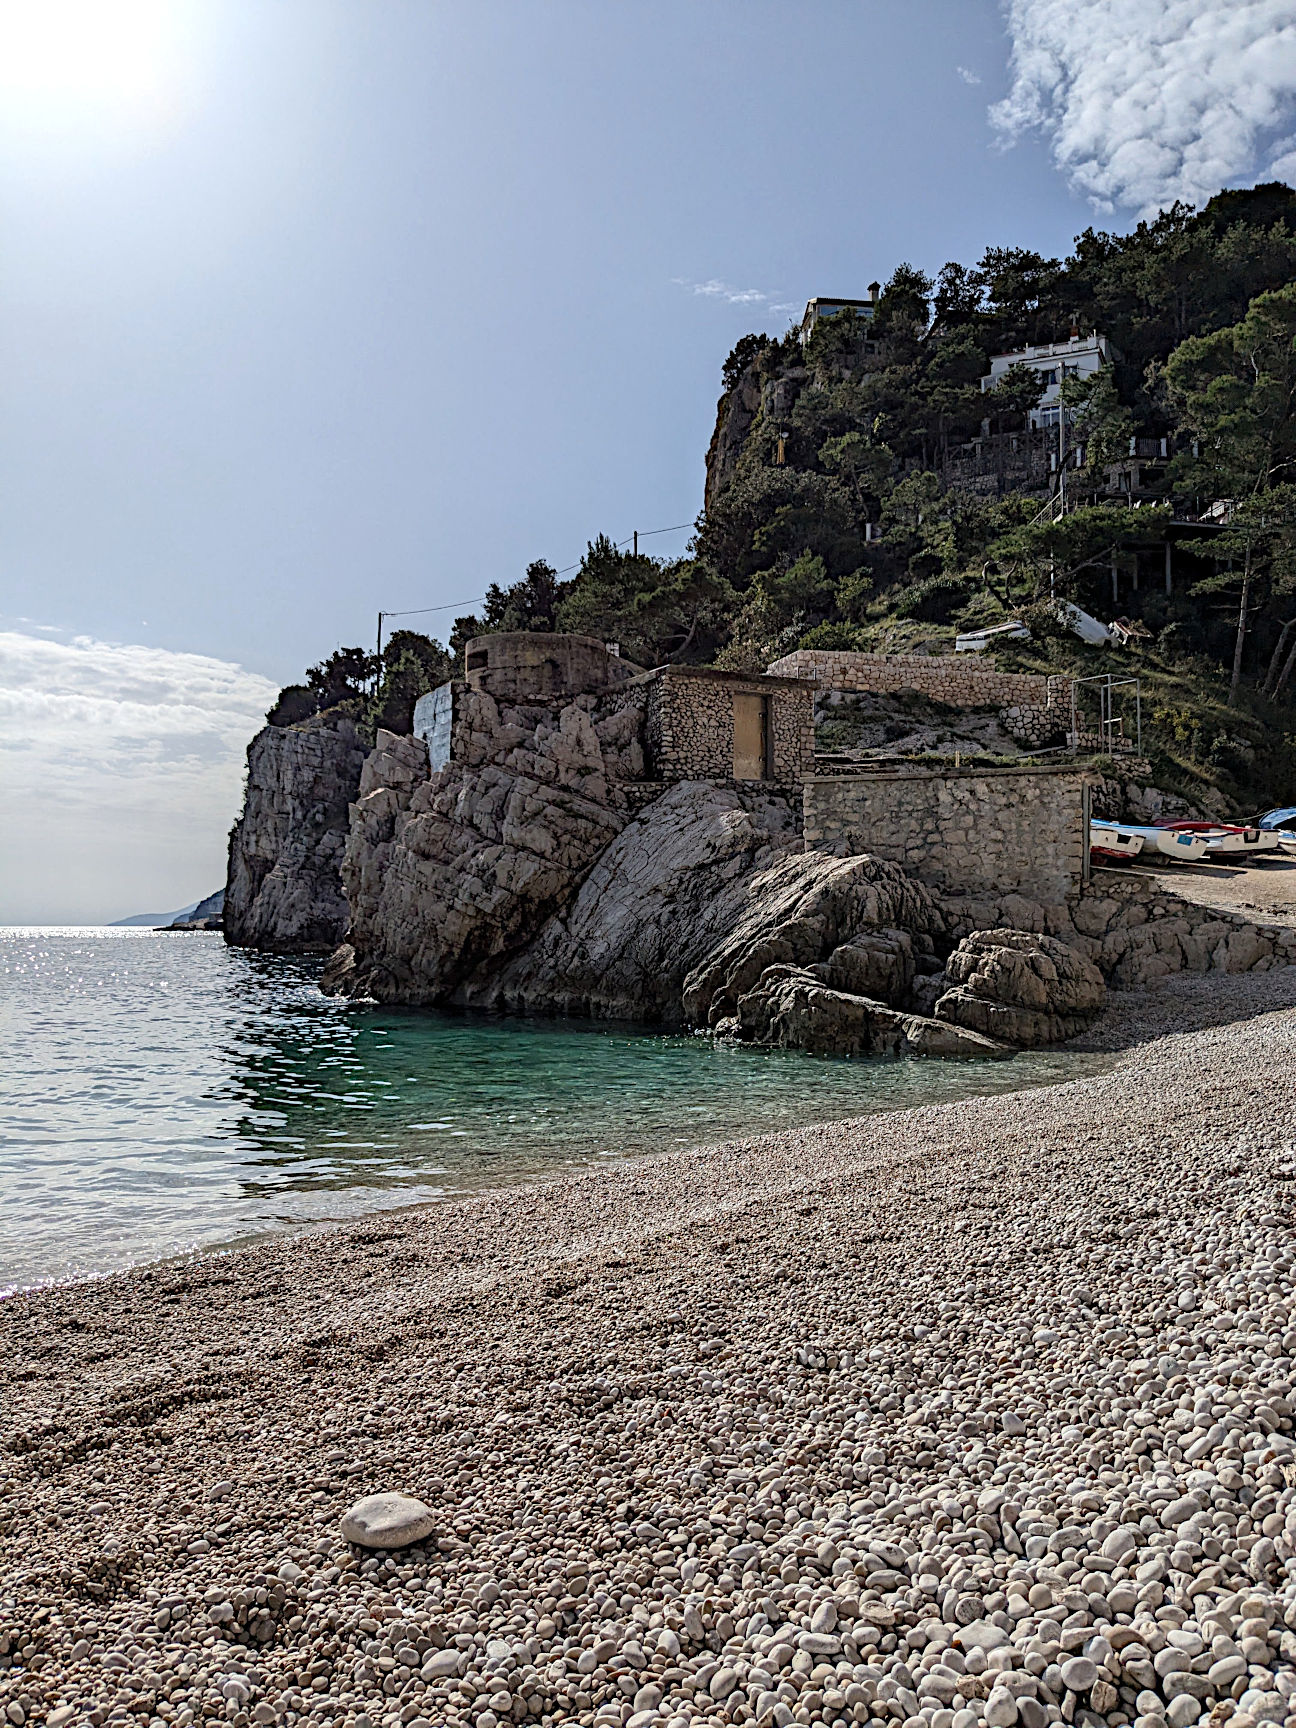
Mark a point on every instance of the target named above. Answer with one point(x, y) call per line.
point(967, 1416)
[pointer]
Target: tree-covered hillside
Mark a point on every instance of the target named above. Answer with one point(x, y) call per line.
point(863, 490)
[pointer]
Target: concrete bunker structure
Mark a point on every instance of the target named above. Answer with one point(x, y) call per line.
point(530, 665)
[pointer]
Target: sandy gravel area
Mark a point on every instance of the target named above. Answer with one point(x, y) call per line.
point(1264, 891)
point(966, 1417)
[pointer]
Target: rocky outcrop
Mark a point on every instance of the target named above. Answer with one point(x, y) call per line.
point(450, 874)
point(208, 914)
point(807, 909)
point(1020, 988)
point(284, 888)
point(791, 1008)
point(670, 887)
point(517, 877)
point(1135, 930)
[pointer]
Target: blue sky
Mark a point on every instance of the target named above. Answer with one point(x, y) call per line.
point(326, 306)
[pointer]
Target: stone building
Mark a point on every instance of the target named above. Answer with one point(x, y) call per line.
point(701, 724)
point(691, 722)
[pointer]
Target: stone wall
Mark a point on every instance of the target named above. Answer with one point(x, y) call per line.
point(689, 724)
point(960, 680)
point(1135, 929)
point(980, 831)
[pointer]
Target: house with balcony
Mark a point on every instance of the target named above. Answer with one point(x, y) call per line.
point(1078, 357)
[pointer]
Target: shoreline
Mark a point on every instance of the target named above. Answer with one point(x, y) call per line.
point(643, 1398)
point(1181, 1003)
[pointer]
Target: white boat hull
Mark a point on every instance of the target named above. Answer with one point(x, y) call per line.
point(1187, 848)
point(1240, 845)
point(1116, 838)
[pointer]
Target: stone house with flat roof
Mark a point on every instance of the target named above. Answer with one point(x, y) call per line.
point(689, 722)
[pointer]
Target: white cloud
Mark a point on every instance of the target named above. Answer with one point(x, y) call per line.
point(968, 75)
point(715, 289)
point(120, 773)
point(1146, 101)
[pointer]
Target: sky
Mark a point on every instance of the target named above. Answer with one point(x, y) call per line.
point(332, 306)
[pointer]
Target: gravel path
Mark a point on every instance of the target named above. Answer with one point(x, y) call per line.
point(979, 1414)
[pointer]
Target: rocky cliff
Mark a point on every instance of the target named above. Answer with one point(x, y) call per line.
point(450, 873)
point(520, 877)
point(755, 401)
point(284, 888)
point(672, 885)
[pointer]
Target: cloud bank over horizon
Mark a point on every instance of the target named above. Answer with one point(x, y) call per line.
point(1147, 101)
point(121, 770)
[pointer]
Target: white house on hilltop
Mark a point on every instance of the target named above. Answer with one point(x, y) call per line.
point(1079, 357)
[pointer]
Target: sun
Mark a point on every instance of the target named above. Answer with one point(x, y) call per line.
point(66, 56)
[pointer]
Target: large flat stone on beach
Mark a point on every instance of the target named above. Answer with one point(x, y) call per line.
point(387, 1521)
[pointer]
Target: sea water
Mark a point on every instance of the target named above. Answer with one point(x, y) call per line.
point(164, 1093)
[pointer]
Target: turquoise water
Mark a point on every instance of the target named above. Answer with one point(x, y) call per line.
point(166, 1093)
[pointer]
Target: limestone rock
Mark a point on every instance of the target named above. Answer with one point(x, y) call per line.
point(284, 887)
point(875, 963)
point(670, 886)
point(790, 1008)
point(1020, 987)
point(803, 910)
point(387, 1521)
point(449, 874)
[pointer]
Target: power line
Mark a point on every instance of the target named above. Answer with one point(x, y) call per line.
point(424, 611)
point(673, 529)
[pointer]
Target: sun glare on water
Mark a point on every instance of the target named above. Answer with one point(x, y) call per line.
point(62, 60)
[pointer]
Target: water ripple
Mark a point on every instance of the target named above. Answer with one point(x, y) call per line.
point(166, 1093)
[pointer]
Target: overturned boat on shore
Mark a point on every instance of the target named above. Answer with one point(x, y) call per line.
point(1122, 841)
point(1113, 842)
point(1226, 841)
point(1281, 822)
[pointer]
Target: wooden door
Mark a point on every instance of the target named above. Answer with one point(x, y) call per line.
point(750, 729)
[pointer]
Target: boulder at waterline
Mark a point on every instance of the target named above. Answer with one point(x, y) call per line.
point(804, 909)
point(1021, 987)
point(791, 1008)
point(387, 1521)
point(671, 885)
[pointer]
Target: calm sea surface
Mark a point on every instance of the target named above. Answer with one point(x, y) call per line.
point(164, 1093)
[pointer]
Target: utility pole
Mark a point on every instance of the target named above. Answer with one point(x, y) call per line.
point(380, 622)
point(1062, 455)
point(636, 542)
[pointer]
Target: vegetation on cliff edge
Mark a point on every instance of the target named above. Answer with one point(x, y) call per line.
point(837, 513)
